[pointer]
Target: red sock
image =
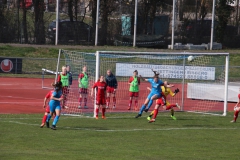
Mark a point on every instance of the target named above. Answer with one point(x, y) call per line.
point(108, 101)
point(64, 100)
point(103, 111)
point(44, 119)
point(80, 101)
point(97, 110)
point(130, 103)
point(136, 103)
point(170, 106)
point(85, 101)
point(114, 101)
point(155, 113)
point(236, 115)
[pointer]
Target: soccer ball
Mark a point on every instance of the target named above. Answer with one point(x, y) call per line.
point(190, 58)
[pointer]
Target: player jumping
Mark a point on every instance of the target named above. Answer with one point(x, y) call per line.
point(167, 91)
point(155, 93)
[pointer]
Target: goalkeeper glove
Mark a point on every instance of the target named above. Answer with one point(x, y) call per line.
point(176, 91)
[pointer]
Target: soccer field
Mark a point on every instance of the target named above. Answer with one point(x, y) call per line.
point(120, 136)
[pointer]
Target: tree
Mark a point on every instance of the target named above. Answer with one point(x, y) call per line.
point(223, 12)
point(205, 6)
point(107, 7)
point(39, 33)
point(24, 21)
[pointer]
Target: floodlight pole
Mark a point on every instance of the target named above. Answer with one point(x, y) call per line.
point(135, 24)
point(173, 22)
point(97, 21)
point(212, 26)
point(57, 19)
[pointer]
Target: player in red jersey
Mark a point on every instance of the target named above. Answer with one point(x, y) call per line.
point(46, 106)
point(64, 78)
point(236, 109)
point(160, 102)
point(101, 87)
point(134, 82)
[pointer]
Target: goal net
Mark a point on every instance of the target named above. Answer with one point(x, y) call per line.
point(202, 78)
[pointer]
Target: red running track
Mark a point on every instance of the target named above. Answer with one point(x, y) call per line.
point(25, 95)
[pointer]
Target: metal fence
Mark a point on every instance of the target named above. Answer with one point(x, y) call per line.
point(32, 67)
point(28, 21)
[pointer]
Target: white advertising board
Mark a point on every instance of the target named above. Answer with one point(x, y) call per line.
point(166, 71)
point(212, 91)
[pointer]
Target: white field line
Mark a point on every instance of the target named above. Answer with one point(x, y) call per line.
point(85, 116)
point(31, 88)
point(33, 102)
point(127, 130)
point(21, 97)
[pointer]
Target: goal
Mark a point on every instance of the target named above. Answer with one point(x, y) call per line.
point(202, 79)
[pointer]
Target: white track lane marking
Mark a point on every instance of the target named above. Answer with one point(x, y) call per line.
point(127, 130)
point(22, 97)
point(33, 102)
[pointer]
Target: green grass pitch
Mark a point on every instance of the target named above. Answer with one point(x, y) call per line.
point(120, 137)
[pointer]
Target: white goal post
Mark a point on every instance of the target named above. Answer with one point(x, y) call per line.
point(198, 79)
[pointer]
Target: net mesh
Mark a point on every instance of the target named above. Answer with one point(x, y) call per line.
point(201, 89)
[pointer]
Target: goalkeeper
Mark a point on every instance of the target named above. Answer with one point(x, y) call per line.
point(167, 91)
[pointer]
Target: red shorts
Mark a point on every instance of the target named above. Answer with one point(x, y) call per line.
point(65, 90)
point(100, 101)
point(83, 90)
point(110, 89)
point(47, 109)
point(133, 94)
point(161, 101)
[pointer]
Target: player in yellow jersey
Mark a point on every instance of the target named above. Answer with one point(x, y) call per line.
point(167, 91)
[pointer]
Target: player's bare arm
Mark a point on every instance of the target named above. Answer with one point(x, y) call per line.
point(143, 79)
point(92, 91)
point(44, 102)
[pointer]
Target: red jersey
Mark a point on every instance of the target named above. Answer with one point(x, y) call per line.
point(101, 88)
point(131, 79)
point(49, 94)
point(238, 96)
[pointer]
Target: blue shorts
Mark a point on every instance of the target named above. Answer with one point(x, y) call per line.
point(53, 106)
point(152, 94)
